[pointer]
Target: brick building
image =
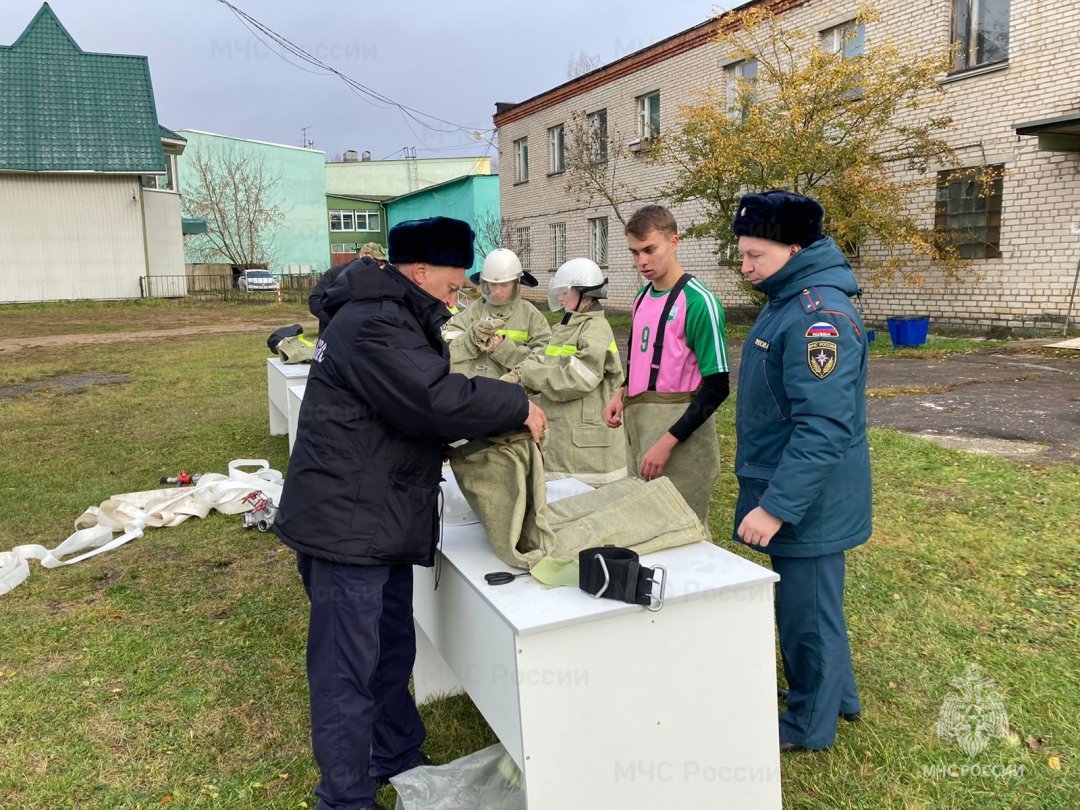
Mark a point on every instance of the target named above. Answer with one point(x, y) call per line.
point(1014, 100)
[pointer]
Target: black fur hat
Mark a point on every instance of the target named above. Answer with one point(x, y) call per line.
point(779, 216)
point(439, 241)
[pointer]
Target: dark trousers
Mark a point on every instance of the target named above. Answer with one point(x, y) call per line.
point(361, 648)
point(814, 647)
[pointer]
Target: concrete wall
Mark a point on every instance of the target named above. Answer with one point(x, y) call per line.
point(392, 178)
point(301, 243)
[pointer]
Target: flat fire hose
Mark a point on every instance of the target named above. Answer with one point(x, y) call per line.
point(132, 512)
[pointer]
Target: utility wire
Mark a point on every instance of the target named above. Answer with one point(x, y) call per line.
point(369, 95)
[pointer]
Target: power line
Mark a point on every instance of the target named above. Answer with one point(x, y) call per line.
point(369, 95)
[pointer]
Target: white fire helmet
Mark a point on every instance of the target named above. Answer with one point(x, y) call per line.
point(455, 509)
point(583, 275)
point(501, 266)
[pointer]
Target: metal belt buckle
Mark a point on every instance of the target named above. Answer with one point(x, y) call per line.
point(659, 600)
point(607, 577)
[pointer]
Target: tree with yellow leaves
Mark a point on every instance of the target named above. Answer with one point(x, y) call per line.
point(858, 129)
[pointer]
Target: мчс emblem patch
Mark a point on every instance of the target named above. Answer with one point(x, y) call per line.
point(821, 330)
point(822, 357)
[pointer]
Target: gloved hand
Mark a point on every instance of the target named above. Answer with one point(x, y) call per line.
point(512, 376)
point(482, 333)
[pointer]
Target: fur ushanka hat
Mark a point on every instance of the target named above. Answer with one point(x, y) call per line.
point(439, 241)
point(779, 216)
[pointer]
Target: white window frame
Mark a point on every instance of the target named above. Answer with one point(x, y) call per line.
point(556, 149)
point(598, 132)
point(367, 225)
point(648, 115)
point(342, 247)
point(598, 240)
point(847, 39)
point(521, 160)
point(163, 182)
point(734, 74)
point(523, 240)
point(347, 220)
point(558, 243)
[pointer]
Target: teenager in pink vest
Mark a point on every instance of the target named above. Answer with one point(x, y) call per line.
point(677, 367)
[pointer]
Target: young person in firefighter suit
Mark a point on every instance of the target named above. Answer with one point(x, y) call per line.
point(802, 461)
point(491, 337)
point(360, 500)
point(574, 376)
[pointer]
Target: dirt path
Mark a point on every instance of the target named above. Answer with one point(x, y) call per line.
point(49, 341)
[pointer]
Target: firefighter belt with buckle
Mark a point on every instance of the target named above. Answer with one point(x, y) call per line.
point(615, 573)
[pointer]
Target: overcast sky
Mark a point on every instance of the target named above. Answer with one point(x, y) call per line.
point(451, 60)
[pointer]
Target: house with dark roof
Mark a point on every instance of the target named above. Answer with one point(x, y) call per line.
point(87, 174)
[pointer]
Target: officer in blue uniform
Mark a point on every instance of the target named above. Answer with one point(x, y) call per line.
point(802, 461)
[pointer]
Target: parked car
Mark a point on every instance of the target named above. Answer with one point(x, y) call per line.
point(257, 280)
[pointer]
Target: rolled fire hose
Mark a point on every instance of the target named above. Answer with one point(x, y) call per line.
point(131, 512)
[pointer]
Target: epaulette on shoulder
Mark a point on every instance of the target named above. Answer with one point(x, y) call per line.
point(810, 300)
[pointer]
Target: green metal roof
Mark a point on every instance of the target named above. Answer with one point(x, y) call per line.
point(65, 110)
point(168, 133)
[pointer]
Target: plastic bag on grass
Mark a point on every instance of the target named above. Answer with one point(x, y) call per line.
point(485, 780)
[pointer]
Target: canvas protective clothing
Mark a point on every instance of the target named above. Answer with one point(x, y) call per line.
point(524, 330)
point(573, 379)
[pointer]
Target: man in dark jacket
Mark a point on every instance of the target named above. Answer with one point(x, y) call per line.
point(360, 502)
point(802, 459)
point(317, 300)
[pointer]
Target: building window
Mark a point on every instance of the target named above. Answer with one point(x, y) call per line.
point(343, 248)
point(556, 149)
point(980, 32)
point(367, 221)
point(597, 123)
point(968, 207)
point(598, 243)
point(166, 182)
point(847, 39)
point(738, 76)
point(558, 243)
point(523, 243)
point(648, 116)
point(342, 221)
point(521, 160)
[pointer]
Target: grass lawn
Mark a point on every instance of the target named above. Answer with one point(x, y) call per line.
point(170, 672)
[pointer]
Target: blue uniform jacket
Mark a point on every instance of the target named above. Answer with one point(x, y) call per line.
point(801, 409)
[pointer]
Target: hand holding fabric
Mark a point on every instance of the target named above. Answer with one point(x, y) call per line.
point(483, 333)
point(512, 376)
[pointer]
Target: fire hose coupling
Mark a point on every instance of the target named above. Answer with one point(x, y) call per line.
point(181, 479)
point(262, 512)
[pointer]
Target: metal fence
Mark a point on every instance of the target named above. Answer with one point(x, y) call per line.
point(292, 288)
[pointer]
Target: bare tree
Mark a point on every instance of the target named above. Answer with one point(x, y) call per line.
point(492, 231)
point(235, 193)
point(595, 158)
point(581, 64)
